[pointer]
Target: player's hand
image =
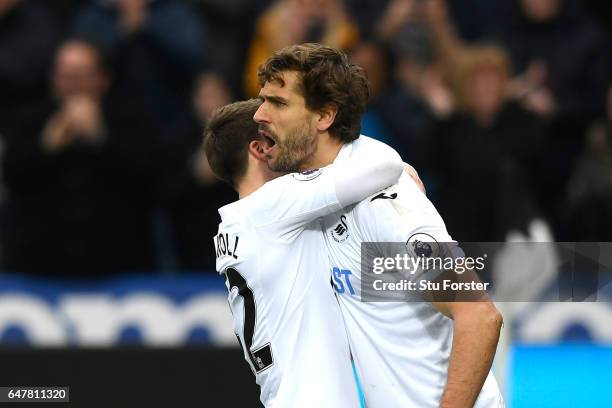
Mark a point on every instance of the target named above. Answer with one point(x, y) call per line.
point(415, 176)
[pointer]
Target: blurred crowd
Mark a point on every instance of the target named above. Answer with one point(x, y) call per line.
point(504, 107)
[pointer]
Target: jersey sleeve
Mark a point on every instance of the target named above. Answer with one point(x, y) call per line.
point(366, 147)
point(289, 203)
point(360, 176)
point(368, 156)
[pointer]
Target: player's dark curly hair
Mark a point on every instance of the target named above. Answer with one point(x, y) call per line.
point(326, 78)
point(226, 139)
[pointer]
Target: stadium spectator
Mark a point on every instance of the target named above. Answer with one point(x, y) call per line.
point(25, 55)
point(589, 199)
point(405, 32)
point(289, 22)
point(191, 194)
point(540, 35)
point(415, 93)
point(229, 28)
point(406, 98)
point(80, 169)
point(476, 20)
point(419, 94)
point(159, 48)
point(404, 28)
point(486, 147)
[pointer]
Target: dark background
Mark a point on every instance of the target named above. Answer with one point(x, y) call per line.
point(135, 377)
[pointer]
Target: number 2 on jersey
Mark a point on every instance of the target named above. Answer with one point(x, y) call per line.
point(262, 357)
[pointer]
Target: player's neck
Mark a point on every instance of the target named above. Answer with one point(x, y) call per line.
point(257, 174)
point(328, 148)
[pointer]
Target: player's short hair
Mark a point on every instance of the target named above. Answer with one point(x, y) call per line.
point(226, 138)
point(326, 77)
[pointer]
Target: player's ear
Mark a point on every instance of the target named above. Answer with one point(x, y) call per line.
point(256, 149)
point(326, 117)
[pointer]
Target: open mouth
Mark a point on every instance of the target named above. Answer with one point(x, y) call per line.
point(270, 142)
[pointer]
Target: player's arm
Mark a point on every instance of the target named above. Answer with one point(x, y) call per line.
point(355, 180)
point(477, 324)
point(295, 200)
point(477, 327)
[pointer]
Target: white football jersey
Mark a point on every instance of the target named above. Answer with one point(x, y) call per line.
point(401, 349)
point(286, 315)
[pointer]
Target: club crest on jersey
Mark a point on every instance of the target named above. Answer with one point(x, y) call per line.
point(307, 175)
point(340, 232)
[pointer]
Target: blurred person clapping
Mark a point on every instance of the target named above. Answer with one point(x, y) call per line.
point(407, 96)
point(540, 35)
point(562, 60)
point(80, 117)
point(588, 203)
point(490, 147)
point(81, 170)
point(159, 47)
point(80, 84)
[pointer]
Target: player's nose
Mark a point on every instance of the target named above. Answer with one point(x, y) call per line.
point(260, 115)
